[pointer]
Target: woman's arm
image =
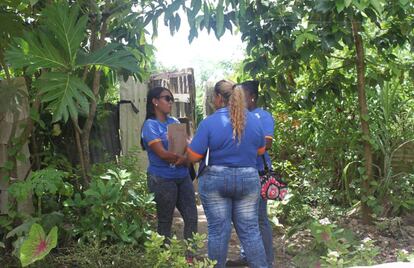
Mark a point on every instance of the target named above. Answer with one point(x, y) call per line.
point(165, 155)
point(170, 157)
point(193, 156)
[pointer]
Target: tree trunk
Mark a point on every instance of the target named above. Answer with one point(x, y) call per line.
point(363, 112)
point(96, 44)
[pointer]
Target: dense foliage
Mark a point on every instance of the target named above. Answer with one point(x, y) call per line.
point(337, 75)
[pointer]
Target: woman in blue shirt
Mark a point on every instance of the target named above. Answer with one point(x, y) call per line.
point(168, 176)
point(229, 188)
point(251, 91)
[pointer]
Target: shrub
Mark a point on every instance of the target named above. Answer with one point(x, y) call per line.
point(112, 209)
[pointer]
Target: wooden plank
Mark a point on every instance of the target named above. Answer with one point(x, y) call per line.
point(6, 127)
point(130, 123)
point(4, 185)
point(12, 123)
point(4, 201)
point(3, 154)
point(208, 99)
point(169, 75)
point(182, 97)
point(403, 159)
point(25, 206)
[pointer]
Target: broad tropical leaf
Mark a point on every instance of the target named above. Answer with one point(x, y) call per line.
point(112, 55)
point(55, 44)
point(37, 245)
point(220, 20)
point(68, 27)
point(65, 94)
point(35, 51)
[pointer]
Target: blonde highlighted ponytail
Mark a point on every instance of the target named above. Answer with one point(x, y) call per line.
point(233, 96)
point(237, 108)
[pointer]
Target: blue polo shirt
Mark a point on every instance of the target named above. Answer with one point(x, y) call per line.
point(156, 131)
point(268, 125)
point(216, 133)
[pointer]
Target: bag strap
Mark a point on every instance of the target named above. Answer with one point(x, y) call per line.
point(266, 168)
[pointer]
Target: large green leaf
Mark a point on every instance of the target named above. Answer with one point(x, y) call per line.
point(196, 5)
point(20, 190)
point(35, 51)
point(37, 245)
point(378, 5)
point(242, 7)
point(207, 14)
point(112, 55)
point(68, 27)
point(340, 5)
point(65, 95)
point(303, 37)
point(54, 44)
point(220, 19)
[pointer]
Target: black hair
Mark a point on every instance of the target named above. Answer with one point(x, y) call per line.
point(251, 86)
point(153, 93)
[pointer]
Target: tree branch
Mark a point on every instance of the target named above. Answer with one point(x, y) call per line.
point(76, 125)
point(85, 73)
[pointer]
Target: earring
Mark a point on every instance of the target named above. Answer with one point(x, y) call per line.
point(253, 100)
point(156, 104)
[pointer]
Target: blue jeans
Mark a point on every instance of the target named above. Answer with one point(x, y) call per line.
point(232, 194)
point(266, 233)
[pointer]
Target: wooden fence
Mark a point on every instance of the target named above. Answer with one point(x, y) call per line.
point(403, 159)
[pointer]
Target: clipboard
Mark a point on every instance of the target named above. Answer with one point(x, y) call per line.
point(177, 138)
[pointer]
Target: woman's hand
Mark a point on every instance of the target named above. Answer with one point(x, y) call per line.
point(181, 161)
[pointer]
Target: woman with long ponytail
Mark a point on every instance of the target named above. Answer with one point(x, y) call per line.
point(251, 92)
point(167, 174)
point(229, 186)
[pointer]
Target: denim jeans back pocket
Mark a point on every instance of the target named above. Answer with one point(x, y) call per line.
point(250, 185)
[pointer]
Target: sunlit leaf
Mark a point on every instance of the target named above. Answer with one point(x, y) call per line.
point(37, 245)
point(340, 5)
point(112, 55)
point(35, 51)
point(378, 5)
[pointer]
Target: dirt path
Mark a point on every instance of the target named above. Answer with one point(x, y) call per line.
point(178, 223)
point(234, 244)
